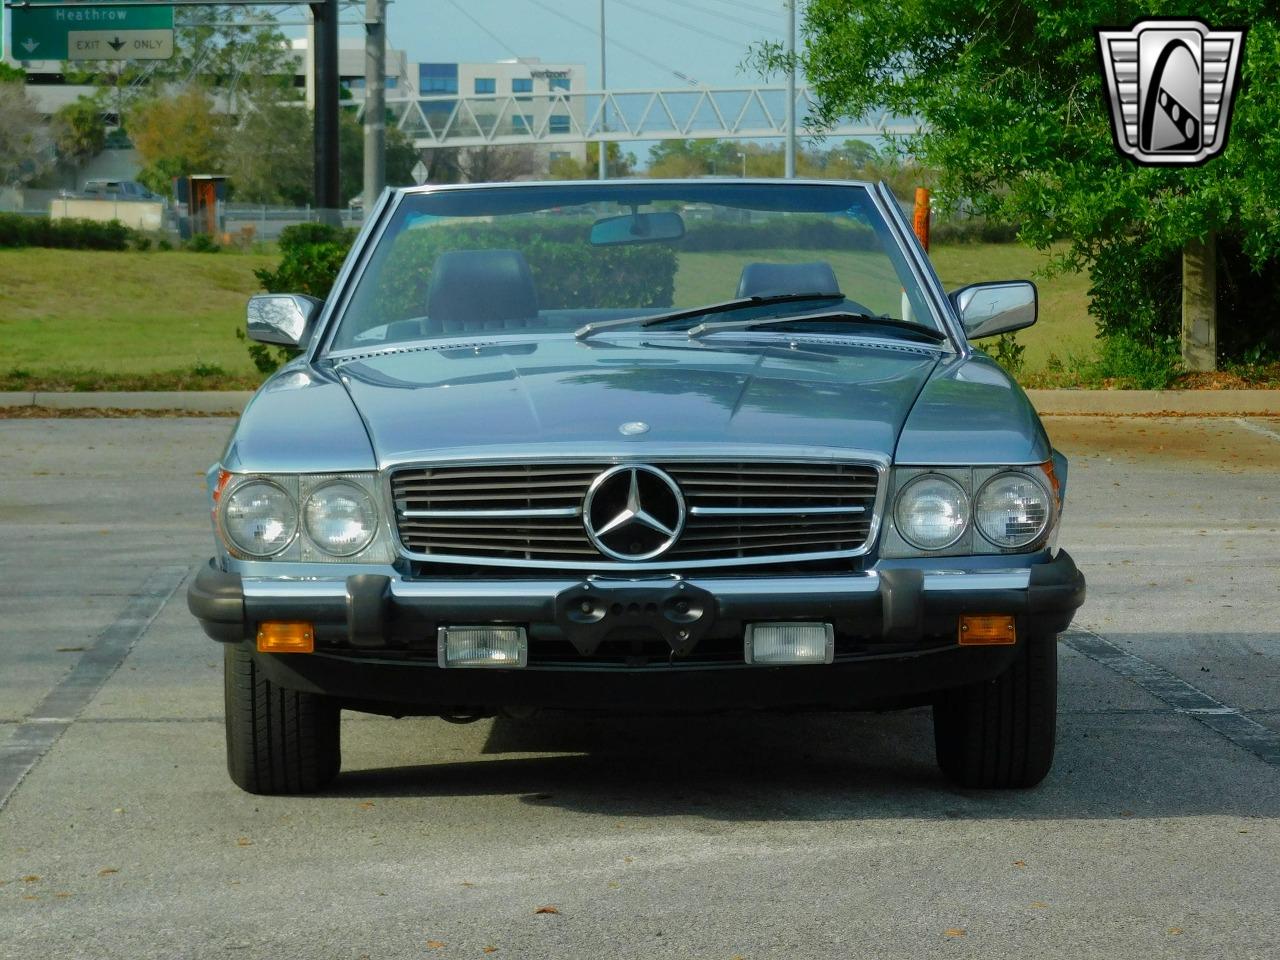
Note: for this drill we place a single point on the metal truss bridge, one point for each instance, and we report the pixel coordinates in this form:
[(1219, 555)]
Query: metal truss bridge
[(562, 116)]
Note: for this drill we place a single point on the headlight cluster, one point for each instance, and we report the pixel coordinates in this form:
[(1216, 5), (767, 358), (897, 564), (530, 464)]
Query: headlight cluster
[(260, 518), (1012, 509)]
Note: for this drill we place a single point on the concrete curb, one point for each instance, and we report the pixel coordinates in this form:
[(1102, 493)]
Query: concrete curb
[(1106, 403), (1140, 403), (193, 401)]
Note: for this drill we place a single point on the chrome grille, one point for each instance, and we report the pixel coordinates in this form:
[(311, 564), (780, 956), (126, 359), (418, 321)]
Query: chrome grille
[(739, 511)]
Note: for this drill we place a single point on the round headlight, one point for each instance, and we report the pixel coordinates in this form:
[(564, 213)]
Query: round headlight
[(259, 518), (340, 518), (1012, 510), (932, 512)]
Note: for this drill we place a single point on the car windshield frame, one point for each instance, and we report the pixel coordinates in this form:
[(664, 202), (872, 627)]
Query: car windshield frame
[(899, 246)]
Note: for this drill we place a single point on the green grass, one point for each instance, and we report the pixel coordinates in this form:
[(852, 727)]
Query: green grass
[(1065, 327), (126, 312), (78, 319)]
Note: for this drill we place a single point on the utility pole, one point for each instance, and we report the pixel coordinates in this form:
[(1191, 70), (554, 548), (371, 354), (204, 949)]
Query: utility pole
[(790, 171), (324, 18), (1200, 303), (375, 101), (602, 172)]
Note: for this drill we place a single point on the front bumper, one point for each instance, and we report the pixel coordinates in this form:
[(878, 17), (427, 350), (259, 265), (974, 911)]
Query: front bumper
[(592, 642)]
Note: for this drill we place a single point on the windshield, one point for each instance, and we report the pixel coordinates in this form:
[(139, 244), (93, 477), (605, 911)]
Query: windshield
[(554, 258)]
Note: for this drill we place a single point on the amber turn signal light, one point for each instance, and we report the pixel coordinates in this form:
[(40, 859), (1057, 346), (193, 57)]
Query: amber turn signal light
[(986, 631), (286, 636)]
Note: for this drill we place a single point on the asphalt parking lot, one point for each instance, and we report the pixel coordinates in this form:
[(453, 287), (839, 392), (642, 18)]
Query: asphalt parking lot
[(1156, 835)]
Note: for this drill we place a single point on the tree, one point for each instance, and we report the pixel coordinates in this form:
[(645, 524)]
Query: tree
[(78, 130), (490, 164), (177, 134), (1017, 125), (694, 158), (269, 155), (442, 164), (24, 137)]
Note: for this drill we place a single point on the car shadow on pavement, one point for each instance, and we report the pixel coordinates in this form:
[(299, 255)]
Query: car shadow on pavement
[(821, 767)]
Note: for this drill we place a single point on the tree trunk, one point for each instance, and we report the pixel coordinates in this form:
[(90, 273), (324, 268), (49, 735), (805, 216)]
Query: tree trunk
[(1200, 304)]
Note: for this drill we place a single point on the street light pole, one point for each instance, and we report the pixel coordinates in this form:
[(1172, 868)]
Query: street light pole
[(324, 17), (790, 171), (602, 171), (375, 101)]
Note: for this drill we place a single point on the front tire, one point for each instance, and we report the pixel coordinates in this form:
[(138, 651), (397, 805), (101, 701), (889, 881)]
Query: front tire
[(1001, 733), (279, 741)]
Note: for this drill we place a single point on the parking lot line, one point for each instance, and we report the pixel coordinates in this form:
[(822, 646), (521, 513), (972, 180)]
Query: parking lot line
[(1256, 428), (61, 705), (1240, 729)]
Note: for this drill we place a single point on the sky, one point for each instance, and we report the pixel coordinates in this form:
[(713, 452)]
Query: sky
[(703, 39)]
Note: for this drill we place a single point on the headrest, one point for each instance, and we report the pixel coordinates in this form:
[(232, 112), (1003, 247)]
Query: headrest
[(772, 279), (475, 290)]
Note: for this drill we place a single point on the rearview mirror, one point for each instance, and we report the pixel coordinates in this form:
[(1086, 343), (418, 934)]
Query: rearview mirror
[(284, 318), (637, 228), (988, 309)]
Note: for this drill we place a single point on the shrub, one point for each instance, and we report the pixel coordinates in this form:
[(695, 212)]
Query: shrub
[(202, 243), (1128, 362), (1008, 352), (310, 234), (795, 232), (311, 254), (973, 230), (20, 230)]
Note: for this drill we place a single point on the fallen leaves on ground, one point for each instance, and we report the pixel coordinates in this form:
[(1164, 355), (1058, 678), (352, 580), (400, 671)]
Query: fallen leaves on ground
[(1175, 930), (490, 949), (1019, 863), (547, 910), (244, 842), (31, 878), (101, 413), (955, 932), (365, 804), (107, 871), (436, 944)]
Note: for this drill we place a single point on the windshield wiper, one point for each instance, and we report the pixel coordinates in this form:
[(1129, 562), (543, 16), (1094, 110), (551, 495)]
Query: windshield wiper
[(835, 317), (726, 306)]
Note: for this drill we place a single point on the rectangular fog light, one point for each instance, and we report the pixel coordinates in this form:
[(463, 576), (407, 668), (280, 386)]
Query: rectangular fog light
[(286, 636), (782, 643), (987, 631), (482, 647)]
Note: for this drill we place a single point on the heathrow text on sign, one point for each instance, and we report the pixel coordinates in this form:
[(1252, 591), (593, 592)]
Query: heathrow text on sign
[(100, 32)]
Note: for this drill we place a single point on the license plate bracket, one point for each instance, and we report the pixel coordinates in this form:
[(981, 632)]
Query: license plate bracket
[(677, 610)]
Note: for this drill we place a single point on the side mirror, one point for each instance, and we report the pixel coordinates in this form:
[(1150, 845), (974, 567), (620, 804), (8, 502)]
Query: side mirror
[(284, 318), (988, 309)]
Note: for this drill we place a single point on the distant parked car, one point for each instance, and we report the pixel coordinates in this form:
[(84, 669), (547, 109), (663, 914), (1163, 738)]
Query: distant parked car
[(117, 190)]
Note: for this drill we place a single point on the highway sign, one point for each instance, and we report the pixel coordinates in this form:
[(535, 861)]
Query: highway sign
[(101, 32)]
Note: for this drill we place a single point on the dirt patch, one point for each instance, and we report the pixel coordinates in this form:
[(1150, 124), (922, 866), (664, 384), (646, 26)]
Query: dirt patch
[(1213, 440)]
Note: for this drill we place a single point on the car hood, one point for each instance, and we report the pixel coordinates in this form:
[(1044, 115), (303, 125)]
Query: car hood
[(513, 398)]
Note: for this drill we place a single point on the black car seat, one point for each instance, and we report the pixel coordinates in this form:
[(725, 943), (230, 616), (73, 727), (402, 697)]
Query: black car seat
[(772, 279), (473, 291)]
